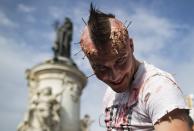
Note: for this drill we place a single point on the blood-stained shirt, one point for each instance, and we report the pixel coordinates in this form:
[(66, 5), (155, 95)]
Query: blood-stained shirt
[(152, 94)]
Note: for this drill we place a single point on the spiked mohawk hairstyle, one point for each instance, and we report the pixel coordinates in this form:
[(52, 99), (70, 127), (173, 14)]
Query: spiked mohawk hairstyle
[(99, 26)]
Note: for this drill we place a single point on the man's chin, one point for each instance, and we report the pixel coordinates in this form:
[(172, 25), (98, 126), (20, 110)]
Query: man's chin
[(119, 88)]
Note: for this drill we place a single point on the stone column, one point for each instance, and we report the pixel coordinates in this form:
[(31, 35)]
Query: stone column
[(66, 82)]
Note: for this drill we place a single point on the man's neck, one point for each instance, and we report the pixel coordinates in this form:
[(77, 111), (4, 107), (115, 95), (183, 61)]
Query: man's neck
[(136, 66)]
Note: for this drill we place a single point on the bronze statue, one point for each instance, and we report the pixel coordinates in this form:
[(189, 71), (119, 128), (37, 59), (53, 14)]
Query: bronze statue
[(62, 45)]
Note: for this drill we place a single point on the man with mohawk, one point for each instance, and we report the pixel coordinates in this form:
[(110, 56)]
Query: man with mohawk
[(141, 97)]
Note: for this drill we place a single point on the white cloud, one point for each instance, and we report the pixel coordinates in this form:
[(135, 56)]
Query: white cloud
[(184, 76), (5, 21), (151, 32), (51, 36), (15, 57), (30, 19), (25, 8), (28, 10), (184, 65), (56, 12), (187, 43)]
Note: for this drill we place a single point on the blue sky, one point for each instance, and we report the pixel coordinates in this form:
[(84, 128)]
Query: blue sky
[(162, 31)]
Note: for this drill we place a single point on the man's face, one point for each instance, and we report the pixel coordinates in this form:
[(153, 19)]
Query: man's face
[(113, 62), (115, 69)]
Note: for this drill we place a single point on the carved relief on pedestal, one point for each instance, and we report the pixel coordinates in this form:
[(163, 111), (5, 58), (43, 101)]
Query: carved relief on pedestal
[(43, 113), (74, 89), (75, 92)]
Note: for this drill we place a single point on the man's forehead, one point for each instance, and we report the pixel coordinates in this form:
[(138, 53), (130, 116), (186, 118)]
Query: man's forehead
[(106, 59)]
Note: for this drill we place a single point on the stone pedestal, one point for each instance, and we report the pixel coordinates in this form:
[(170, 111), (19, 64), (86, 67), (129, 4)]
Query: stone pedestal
[(66, 82)]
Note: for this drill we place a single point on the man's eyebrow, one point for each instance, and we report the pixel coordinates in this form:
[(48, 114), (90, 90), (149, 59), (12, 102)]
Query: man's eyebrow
[(97, 65)]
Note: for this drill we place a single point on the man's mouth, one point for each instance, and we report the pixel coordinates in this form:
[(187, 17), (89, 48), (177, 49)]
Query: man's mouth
[(119, 81)]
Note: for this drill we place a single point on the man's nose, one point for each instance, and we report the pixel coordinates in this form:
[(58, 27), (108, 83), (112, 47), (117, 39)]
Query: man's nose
[(115, 75)]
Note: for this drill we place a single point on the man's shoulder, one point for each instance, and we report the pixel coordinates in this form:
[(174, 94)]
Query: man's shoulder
[(156, 75)]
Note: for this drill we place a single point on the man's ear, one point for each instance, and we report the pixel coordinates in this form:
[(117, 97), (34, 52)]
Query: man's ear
[(131, 44)]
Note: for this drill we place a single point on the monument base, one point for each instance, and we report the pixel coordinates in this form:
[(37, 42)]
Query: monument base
[(55, 88)]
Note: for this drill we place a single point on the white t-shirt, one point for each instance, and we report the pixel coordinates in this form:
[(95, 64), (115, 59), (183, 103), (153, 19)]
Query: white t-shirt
[(152, 94)]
